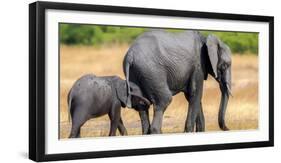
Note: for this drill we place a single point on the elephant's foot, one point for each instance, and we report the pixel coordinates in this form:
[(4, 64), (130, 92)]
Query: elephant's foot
[(146, 131), (154, 130), (224, 128), (189, 129)]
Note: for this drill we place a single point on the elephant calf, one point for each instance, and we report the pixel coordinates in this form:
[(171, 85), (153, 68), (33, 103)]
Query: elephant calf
[(93, 96)]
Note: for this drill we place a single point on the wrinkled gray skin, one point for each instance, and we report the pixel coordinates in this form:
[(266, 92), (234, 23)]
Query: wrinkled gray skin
[(163, 64), (93, 96)]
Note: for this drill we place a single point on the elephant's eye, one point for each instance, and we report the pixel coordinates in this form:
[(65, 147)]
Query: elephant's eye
[(224, 66)]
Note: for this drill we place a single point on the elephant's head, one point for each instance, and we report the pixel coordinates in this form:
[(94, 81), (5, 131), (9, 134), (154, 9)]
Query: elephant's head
[(220, 59), (136, 97)]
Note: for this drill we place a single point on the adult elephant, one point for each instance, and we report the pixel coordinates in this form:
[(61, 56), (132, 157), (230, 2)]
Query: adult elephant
[(163, 64)]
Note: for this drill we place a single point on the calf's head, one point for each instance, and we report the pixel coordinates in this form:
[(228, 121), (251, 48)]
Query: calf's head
[(137, 97)]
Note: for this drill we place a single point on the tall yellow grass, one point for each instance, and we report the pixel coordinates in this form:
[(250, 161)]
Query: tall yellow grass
[(242, 111)]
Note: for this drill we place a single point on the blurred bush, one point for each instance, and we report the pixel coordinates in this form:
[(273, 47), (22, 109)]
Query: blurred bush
[(75, 34), (239, 42)]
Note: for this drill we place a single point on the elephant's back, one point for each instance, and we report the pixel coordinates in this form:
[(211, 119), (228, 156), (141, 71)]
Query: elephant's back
[(92, 90), (173, 42), (161, 46)]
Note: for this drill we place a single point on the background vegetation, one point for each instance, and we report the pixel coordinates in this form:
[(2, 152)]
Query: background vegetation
[(75, 34)]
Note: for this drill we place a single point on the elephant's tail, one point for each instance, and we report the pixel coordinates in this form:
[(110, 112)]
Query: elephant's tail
[(127, 63)]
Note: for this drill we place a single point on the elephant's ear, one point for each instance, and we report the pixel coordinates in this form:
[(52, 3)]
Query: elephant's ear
[(121, 91), (212, 43)]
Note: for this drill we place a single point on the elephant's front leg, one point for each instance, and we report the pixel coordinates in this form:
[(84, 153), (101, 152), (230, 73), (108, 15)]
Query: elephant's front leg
[(145, 123), (114, 117), (194, 94), (200, 120), (193, 109)]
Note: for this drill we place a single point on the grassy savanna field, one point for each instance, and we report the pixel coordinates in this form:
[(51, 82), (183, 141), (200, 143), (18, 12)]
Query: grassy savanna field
[(242, 110)]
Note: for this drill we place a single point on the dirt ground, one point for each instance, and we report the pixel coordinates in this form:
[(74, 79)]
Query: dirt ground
[(242, 110)]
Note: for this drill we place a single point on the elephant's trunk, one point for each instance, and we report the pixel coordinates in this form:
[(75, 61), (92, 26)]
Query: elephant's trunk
[(225, 87), (222, 110)]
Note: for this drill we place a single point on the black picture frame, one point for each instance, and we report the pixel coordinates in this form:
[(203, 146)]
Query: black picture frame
[(37, 79)]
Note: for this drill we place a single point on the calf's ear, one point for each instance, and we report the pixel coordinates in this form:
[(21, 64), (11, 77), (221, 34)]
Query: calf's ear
[(121, 91), (138, 95), (140, 99)]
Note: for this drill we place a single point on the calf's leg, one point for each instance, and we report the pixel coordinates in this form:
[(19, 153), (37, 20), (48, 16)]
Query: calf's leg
[(78, 119), (122, 128), (114, 117)]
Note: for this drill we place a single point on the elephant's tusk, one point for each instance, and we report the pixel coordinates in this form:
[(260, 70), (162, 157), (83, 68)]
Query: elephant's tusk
[(228, 90)]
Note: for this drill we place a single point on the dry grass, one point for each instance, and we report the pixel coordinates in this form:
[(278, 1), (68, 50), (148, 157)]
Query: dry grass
[(242, 111)]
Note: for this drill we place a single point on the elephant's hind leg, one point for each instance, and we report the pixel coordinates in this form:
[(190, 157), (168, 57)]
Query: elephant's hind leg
[(159, 109), (145, 123), (75, 132)]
